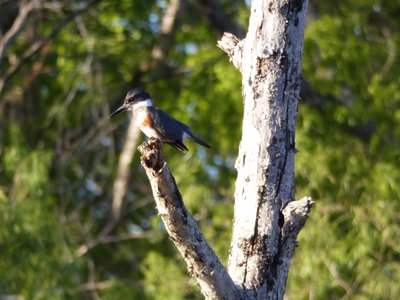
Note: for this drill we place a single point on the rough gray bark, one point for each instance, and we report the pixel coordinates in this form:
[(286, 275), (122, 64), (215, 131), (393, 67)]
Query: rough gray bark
[(203, 264), (267, 219), (269, 59)]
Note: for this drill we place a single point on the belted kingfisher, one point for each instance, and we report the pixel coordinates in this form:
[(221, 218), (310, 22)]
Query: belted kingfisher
[(156, 123)]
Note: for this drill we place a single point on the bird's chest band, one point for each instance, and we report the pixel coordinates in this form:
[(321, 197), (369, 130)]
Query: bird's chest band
[(145, 123), (143, 118)]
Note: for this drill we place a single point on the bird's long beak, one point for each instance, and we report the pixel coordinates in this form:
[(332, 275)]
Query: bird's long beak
[(120, 109)]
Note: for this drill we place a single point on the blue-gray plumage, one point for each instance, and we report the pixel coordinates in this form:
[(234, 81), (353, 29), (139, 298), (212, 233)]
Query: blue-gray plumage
[(156, 123)]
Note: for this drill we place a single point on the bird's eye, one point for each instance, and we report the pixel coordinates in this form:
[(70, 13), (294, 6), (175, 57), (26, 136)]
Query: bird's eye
[(130, 99)]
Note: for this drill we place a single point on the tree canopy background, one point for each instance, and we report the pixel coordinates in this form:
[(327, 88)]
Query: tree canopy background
[(59, 153)]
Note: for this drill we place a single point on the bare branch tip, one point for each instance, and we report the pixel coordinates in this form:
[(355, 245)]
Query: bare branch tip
[(296, 212), (307, 202), (151, 155), (232, 46), (228, 39)]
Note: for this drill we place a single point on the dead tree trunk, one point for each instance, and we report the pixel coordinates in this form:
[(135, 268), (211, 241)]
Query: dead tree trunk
[(267, 219), (269, 59)]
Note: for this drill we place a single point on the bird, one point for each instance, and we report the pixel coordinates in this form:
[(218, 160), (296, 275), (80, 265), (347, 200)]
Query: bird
[(156, 123)]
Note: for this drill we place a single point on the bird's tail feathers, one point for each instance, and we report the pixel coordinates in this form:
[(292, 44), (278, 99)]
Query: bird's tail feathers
[(198, 140), (179, 146)]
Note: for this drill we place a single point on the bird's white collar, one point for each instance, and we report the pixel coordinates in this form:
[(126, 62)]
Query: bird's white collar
[(146, 103)]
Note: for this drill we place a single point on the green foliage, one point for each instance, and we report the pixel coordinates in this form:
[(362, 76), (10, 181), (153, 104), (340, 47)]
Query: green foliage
[(348, 247), (34, 255), (158, 271)]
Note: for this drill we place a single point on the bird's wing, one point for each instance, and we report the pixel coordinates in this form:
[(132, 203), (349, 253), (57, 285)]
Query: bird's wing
[(171, 128)]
